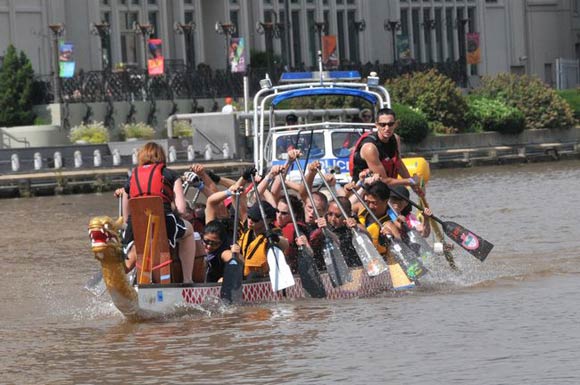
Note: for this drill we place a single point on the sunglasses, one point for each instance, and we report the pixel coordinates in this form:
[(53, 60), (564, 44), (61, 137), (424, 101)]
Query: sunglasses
[(390, 124), (282, 212), (210, 242)]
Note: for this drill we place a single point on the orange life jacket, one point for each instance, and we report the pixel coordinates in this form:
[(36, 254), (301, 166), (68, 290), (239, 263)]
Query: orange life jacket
[(148, 180)]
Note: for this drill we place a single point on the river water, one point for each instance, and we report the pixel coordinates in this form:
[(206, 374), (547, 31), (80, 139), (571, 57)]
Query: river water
[(513, 319)]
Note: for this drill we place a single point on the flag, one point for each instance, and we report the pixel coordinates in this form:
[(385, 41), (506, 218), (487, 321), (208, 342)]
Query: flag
[(65, 60), (473, 50), (238, 54), (329, 52), (156, 60), (403, 48)]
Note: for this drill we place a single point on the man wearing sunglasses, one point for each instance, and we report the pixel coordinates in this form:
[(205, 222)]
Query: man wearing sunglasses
[(380, 153)]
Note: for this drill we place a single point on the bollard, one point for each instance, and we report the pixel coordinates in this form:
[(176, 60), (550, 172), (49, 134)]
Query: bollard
[(207, 153), (78, 159), (57, 160), (97, 159), (134, 156), (116, 157), (172, 154), (226, 151), (190, 153), (37, 161), (15, 162)]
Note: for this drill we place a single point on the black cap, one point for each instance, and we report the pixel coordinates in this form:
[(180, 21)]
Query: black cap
[(254, 212), (398, 191), (291, 118)]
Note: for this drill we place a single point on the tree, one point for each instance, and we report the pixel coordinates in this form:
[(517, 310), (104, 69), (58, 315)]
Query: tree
[(16, 78)]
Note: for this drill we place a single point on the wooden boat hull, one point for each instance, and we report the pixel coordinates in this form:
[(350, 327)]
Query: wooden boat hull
[(166, 299)]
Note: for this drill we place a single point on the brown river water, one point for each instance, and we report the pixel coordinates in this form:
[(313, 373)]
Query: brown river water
[(513, 319)]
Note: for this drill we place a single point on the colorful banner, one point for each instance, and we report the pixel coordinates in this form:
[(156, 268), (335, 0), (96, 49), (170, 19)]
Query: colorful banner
[(65, 60), (329, 51), (404, 49), (155, 61), (473, 49), (238, 54)]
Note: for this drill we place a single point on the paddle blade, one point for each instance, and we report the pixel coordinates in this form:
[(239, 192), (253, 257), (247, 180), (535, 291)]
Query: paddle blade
[(231, 290), (372, 261), (409, 261), (309, 274), (471, 242), (336, 266), (280, 273)]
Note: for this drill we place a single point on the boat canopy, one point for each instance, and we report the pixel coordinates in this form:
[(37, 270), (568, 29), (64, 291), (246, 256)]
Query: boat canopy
[(369, 97)]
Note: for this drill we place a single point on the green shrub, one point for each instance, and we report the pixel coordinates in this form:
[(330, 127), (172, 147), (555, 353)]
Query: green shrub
[(138, 130), (16, 84), (93, 133), (494, 115), (435, 95), (413, 127), (573, 99), (541, 105), (182, 128)]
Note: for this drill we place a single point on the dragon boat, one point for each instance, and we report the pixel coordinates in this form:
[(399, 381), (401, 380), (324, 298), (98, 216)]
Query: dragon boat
[(150, 300)]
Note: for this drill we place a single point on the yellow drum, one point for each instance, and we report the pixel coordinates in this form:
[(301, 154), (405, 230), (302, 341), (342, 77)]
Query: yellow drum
[(418, 166)]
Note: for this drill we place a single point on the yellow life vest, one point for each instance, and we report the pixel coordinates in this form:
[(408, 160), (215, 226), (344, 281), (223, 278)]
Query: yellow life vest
[(254, 253), (374, 230)]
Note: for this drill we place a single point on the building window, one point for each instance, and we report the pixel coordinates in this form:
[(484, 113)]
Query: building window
[(154, 23), (312, 36), (416, 35), (341, 35), (450, 34), (352, 38), (189, 17), (439, 34), (234, 19), (128, 37)]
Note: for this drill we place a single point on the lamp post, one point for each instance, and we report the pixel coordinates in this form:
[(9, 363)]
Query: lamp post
[(271, 30), (429, 24), (460, 23), (103, 31), (57, 31), (226, 29), (359, 26), (393, 26), (145, 30), (187, 31), (319, 27)]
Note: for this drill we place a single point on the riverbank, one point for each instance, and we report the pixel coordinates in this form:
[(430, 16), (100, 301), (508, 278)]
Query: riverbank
[(445, 151)]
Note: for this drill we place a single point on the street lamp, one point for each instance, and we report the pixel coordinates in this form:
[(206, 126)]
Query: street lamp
[(103, 31), (187, 31), (460, 24), (226, 29), (359, 26), (57, 31), (145, 30), (429, 24), (393, 26), (271, 30), (319, 27)]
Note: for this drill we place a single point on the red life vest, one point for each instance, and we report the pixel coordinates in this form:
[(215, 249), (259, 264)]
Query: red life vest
[(391, 164), (148, 180)]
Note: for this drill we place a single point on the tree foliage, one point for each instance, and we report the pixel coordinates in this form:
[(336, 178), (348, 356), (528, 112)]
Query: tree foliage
[(16, 79)]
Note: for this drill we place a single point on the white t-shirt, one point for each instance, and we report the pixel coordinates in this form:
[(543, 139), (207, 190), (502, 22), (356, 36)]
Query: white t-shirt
[(228, 109)]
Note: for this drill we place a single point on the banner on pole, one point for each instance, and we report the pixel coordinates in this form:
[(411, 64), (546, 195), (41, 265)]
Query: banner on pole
[(473, 49), (65, 60), (404, 49), (156, 60), (238, 54), (329, 51)]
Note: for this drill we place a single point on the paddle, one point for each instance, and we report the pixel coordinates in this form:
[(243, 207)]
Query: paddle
[(471, 242), (408, 260), (309, 275), (280, 273), (413, 238), (373, 262), (439, 236), (231, 290), (336, 266)]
